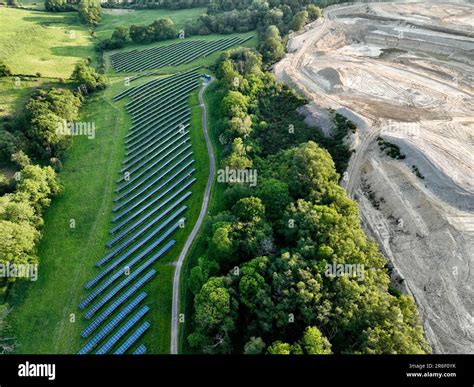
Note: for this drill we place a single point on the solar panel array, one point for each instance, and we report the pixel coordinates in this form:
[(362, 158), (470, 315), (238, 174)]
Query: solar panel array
[(155, 183), (174, 54)]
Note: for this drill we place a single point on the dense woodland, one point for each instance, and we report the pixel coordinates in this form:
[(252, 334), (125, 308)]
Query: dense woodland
[(261, 286)]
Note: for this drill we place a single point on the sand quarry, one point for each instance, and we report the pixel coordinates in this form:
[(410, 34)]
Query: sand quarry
[(404, 72)]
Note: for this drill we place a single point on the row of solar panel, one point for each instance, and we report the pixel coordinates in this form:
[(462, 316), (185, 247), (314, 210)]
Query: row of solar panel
[(147, 202)]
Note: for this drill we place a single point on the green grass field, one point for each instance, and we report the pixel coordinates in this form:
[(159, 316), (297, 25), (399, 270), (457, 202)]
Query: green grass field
[(13, 96), (39, 42), (112, 18)]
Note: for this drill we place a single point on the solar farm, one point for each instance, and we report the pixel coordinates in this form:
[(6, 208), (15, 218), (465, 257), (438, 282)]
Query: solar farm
[(171, 55), (155, 182)]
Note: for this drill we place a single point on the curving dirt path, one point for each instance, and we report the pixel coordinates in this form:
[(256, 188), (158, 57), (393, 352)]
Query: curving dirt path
[(197, 225)]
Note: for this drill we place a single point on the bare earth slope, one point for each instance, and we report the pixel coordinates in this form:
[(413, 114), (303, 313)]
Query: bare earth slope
[(404, 72)]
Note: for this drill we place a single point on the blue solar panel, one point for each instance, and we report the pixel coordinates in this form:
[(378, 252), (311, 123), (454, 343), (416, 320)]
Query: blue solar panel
[(155, 180), (151, 85), (164, 108), (154, 97), (132, 338), (138, 156), (150, 138), (99, 304), (92, 343), (152, 192), (145, 98), (154, 200), (122, 331), (182, 146), (142, 219), (121, 272), (140, 350), (134, 134), (119, 301), (153, 100), (154, 145), (139, 233), (134, 248), (148, 115), (183, 136)]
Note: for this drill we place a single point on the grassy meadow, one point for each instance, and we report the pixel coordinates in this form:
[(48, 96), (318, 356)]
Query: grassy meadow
[(50, 44)]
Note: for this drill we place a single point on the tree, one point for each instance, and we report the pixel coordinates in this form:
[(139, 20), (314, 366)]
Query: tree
[(45, 128), (37, 186), (120, 35), (314, 12), (314, 343), (214, 317), (235, 192), (17, 243), (255, 346), (46, 113), (13, 210), (249, 210), (279, 348), (55, 5), (201, 273), (89, 12), (299, 20), (228, 75), (275, 197), (9, 143), (221, 244), (238, 157), (233, 104), (162, 29), (272, 47), (308, 170), (85, 75), (239, 126), (21, 158), (400, 332), (4, 69)]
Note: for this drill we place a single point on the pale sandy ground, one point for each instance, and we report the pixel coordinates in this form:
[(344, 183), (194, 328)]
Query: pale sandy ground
[(418, 95)]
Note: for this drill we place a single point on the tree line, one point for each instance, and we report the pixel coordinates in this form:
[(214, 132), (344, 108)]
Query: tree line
[(34, 129), (262, 285), (28, 143), (88, 10), (160, 29)]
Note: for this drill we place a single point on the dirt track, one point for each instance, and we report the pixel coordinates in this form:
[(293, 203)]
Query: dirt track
[(404, 71)]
